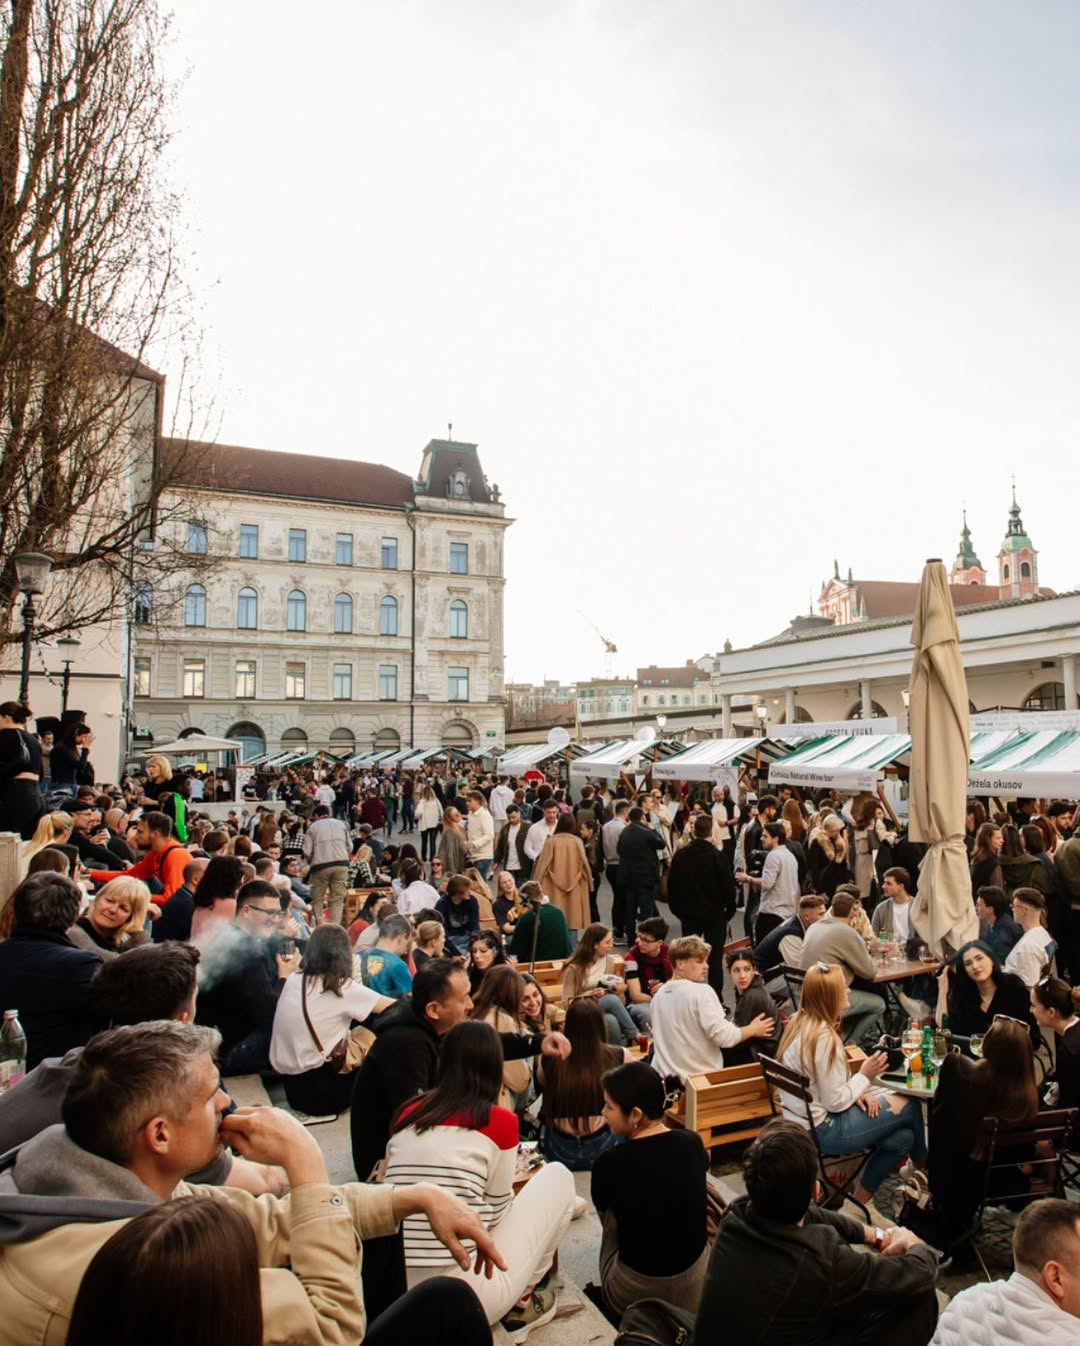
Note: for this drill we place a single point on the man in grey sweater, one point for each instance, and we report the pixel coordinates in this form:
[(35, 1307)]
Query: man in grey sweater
[(326, 849), (833, 940)]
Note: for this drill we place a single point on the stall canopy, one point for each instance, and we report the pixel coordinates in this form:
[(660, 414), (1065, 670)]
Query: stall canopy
[(529, 755), (620, 755), (198, 745), (719, 759), (841, 763), (1038, 763)]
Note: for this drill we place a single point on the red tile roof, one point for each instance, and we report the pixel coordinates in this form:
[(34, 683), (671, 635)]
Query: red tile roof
[(893, 598), (292, 475)]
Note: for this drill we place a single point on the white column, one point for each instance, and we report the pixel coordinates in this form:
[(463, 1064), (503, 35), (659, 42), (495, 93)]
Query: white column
[(725, 715), (1068, 668), (866, 699), (789, 706)]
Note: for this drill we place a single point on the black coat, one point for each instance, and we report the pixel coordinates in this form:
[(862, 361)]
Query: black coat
[(701, 883), (638, 848), (771, 1284), (47, 980)]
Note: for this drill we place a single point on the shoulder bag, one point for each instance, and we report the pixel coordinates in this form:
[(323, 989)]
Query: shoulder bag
[(348, 1053), (655, 1322)]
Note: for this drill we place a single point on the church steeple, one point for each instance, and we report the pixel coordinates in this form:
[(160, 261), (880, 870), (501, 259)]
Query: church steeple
[(1018, 560), (967, 568)]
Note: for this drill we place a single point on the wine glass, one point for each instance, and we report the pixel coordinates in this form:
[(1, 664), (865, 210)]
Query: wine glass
[(940, 1048), (977, 1044), (910, 1044)]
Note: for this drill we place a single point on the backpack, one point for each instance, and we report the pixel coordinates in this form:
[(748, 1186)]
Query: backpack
[(654, 1322)]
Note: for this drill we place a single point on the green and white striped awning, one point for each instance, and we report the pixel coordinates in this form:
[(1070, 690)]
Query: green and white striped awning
[(609, 760), (1043, 762), (715, 759), (840, 762)]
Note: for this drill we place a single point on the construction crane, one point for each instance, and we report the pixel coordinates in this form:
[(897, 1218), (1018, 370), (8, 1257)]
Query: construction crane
[(610, 647)]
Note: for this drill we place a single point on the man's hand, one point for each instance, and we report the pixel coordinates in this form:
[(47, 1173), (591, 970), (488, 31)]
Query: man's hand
[(899, 1241), (452, 1222), (271, 1136), (287, 963), (761, 1027), (556, 1044)]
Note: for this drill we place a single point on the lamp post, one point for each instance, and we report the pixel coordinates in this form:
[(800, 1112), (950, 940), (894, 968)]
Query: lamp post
[(661, 720), (905, 696), (69, 648), (31, 571), (762, 712)]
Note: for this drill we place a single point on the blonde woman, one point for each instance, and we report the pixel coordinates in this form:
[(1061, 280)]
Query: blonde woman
[(114, 920), (159, 780), (428, 817), (849, 1114), (53, 829), (479, 889), (827, 856)]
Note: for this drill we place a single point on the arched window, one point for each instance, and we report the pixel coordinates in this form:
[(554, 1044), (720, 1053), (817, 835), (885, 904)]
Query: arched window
[(385, 740), (293, 740), (296, 611), (1005, 571), (1047, 696), (1025, 570), (343, 614), (342, 742), (195, 606), (459, 619), (247, 609), (855, 713), (388, 616), (251, 736), (456, 734), (803, 716)]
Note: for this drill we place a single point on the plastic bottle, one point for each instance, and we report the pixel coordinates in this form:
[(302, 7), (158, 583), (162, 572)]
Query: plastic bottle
[(12, 1051)]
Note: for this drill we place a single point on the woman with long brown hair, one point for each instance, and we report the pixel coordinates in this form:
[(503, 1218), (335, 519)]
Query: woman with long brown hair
[(985, 858), (1001, 1085), (588, 974), (498, 1003), (451, 848), (574, 1130), (849, 1114)]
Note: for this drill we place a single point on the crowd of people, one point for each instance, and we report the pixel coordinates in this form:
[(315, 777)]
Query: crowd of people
[(154, 951)]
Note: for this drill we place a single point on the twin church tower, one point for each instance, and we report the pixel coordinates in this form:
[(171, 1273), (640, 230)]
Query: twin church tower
[(1018, 568)]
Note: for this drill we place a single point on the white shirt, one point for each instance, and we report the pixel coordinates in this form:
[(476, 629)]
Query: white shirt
[(535, 838), (325, 795), (195, 789), (500, 797), (720, 817), (780, 883), (689, 1028), (513, 861), (832, 1086), (901, 921), (480, 829), (1016, 1312), (1029, 955), (609, 835), (292, 1048), (416, 897)]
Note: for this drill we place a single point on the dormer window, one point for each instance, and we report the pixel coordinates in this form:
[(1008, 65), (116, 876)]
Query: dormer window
[(457, 486)]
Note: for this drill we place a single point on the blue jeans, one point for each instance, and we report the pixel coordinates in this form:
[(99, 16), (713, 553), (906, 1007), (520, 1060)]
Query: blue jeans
[(578, 1153), (640, 903), (248, 1056), (893, 1136), (483, 867), (611, 1004)]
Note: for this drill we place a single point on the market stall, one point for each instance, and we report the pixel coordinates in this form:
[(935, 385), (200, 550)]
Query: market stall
[(1043, 763)]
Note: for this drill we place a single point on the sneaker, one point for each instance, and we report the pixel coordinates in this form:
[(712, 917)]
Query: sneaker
[(918, 1010), (539, 1309)]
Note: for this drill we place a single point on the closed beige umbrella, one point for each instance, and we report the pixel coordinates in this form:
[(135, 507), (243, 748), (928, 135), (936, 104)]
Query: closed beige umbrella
[(943, 912)]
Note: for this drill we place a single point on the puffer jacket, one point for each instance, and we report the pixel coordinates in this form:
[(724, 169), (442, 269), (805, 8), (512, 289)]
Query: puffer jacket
[(327, 843), (1016, 1312)]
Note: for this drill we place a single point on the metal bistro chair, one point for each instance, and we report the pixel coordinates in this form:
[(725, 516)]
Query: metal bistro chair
[(782, 1079), (1050, 1130), (793, 979)]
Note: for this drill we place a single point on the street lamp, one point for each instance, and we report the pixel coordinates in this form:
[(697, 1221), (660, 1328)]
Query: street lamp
[(762, 712), (31, 571), (69, 648), (905, 696), (661, 720)]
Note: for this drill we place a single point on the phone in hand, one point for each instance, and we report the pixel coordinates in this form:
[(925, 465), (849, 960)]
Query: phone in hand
[(288, 948)]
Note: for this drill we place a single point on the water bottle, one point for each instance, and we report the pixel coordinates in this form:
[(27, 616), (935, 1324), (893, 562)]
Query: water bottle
[(12, 1051)]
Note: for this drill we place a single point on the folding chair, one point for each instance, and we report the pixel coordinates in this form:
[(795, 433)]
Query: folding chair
[(793, 978), (781, 1079), (1049, 1131)]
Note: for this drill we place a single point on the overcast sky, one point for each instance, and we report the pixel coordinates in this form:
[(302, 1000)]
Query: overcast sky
[(722, 290)]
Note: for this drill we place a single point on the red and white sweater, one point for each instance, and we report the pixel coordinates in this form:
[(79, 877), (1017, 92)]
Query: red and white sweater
[(476, 1164)]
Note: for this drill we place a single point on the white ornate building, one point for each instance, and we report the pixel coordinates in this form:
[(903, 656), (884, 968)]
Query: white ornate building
[(348, 607)]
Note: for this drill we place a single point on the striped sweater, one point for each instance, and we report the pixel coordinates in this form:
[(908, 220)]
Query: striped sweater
[(476, 1164)]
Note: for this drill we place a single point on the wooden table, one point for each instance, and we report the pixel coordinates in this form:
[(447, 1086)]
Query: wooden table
[(910, 967)]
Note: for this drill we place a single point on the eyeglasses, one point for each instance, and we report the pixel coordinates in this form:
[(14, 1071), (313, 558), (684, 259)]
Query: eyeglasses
[(272, 912)]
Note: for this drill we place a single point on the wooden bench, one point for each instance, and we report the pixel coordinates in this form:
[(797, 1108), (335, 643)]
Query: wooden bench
[(729, 1105), (549, 975), (356, 897)]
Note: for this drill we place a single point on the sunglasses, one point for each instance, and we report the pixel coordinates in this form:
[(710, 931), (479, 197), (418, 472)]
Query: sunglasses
[(1008, 1018)]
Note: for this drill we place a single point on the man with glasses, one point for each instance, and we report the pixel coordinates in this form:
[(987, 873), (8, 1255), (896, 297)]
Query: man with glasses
[(241, 976)]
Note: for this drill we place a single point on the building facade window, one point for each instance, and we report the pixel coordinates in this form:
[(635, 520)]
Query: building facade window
[(388, 682), (249, 541), (195, 606), (296, 611), (388, 617), (1025, 570), (143, 611), (297, 544), (459, 619), (196, 539), (459, 558), (247, 609), (388, 553), (457, 684), (343, 614), (1048, 696), (245, 679), (343, 549), (295, 680), (342, 682), (194, 684), (142, 677)]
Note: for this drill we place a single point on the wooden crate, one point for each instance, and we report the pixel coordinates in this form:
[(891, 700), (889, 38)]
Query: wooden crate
[(724, 1106)]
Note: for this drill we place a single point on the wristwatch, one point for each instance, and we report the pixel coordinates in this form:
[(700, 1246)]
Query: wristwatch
[(879, 1239)]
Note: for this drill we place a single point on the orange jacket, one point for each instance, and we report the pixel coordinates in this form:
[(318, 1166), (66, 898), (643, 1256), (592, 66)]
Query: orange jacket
[(168, 865)]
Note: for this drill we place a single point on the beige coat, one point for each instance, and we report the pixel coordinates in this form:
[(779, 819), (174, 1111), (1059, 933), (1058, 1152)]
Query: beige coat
[(310, 1285), (563, 873)]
